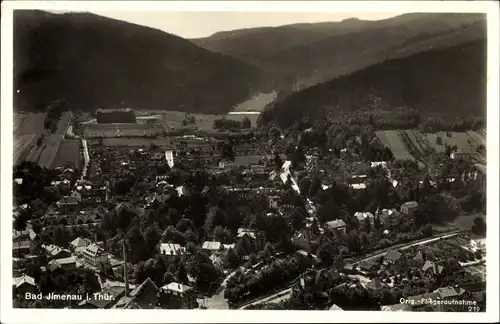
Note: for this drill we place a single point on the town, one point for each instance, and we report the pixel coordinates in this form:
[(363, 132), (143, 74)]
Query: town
[(240, 216)]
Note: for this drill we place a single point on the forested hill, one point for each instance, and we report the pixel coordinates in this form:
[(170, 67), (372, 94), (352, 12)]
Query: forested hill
[(95, 62), (306, 54), (449, 81)]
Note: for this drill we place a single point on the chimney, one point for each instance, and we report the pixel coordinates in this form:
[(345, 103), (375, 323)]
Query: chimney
[(125, 270)]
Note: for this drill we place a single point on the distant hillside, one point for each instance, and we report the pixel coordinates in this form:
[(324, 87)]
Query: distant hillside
[(307, 54), (449, 81), (96, 62)]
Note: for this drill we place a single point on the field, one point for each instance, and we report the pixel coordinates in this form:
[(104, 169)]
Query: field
[(120, 130), (466, 142), (69, 152), (462, 222), (142, 142), (257, 103), (28, 127), (21, 144), (392, 140), (174, 119)]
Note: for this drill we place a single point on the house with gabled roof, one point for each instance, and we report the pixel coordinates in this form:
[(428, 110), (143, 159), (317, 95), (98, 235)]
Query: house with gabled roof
[(366, 266), (170, 251), (94, 255), (177, 295), (145, 296), (79, 244), (242, 232), (69, 203), (337, 225), (430, 268), (409, 207), (451, 292), (24, 284), (392, 257), (56, 252), (211, 246), (396, 308)]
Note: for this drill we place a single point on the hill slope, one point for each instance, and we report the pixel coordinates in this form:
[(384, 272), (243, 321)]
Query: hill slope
[(96, 62), (449, 81), (306, 54)]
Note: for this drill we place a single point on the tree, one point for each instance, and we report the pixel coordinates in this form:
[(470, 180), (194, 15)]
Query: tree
[(326, 253), (222, 234), (367, 226), (427, 230), (298, 219), (168, 277), (376, 222), (246, 123), (479, 226), (353, 243)]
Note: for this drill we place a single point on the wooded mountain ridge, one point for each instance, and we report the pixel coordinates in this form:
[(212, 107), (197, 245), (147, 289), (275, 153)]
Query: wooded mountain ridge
[(95, 62)]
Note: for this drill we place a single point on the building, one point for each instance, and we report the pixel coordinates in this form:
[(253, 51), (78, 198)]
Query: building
[(64, 263), (109, 116), (211, 246), (94, 255), (409, 207), (56, 252), (144, 296), (460, 156), (432, 269), (375, 284), (478, 245), (335, 308), (69, 203), (366, 266), (176, 295), (362, 217), (242, 232), (392, 257), (182, 191), (397, 308), (388, 217), (21, 242), (78, 245), (225, 163), (170, 251), (24, 284), (337, 225), (273, 201)]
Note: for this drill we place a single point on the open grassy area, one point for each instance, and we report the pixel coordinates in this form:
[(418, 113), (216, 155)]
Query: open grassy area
[(466, 142), (138, 142), (392, 140), (69, 152)]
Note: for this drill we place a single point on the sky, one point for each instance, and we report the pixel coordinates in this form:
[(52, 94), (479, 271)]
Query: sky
[(191, 24)]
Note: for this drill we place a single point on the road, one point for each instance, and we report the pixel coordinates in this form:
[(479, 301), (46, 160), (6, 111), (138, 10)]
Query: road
[(408, 245), (371, 256), (274, 298)]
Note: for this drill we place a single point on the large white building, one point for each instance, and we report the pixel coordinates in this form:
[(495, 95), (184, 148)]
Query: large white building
[(95, 255)]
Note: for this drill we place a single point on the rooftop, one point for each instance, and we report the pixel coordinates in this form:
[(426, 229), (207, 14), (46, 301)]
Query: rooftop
[(177, 287), (211, 245), (338, 223)]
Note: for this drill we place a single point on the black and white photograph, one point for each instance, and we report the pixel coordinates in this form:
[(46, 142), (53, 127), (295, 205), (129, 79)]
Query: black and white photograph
[(250, 157)]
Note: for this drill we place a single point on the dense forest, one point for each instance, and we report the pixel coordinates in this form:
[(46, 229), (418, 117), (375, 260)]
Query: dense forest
[(450, 81), (307, 54), (95, 62)]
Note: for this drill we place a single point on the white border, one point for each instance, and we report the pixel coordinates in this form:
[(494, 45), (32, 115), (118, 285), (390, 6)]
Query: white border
[(9, 315)]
